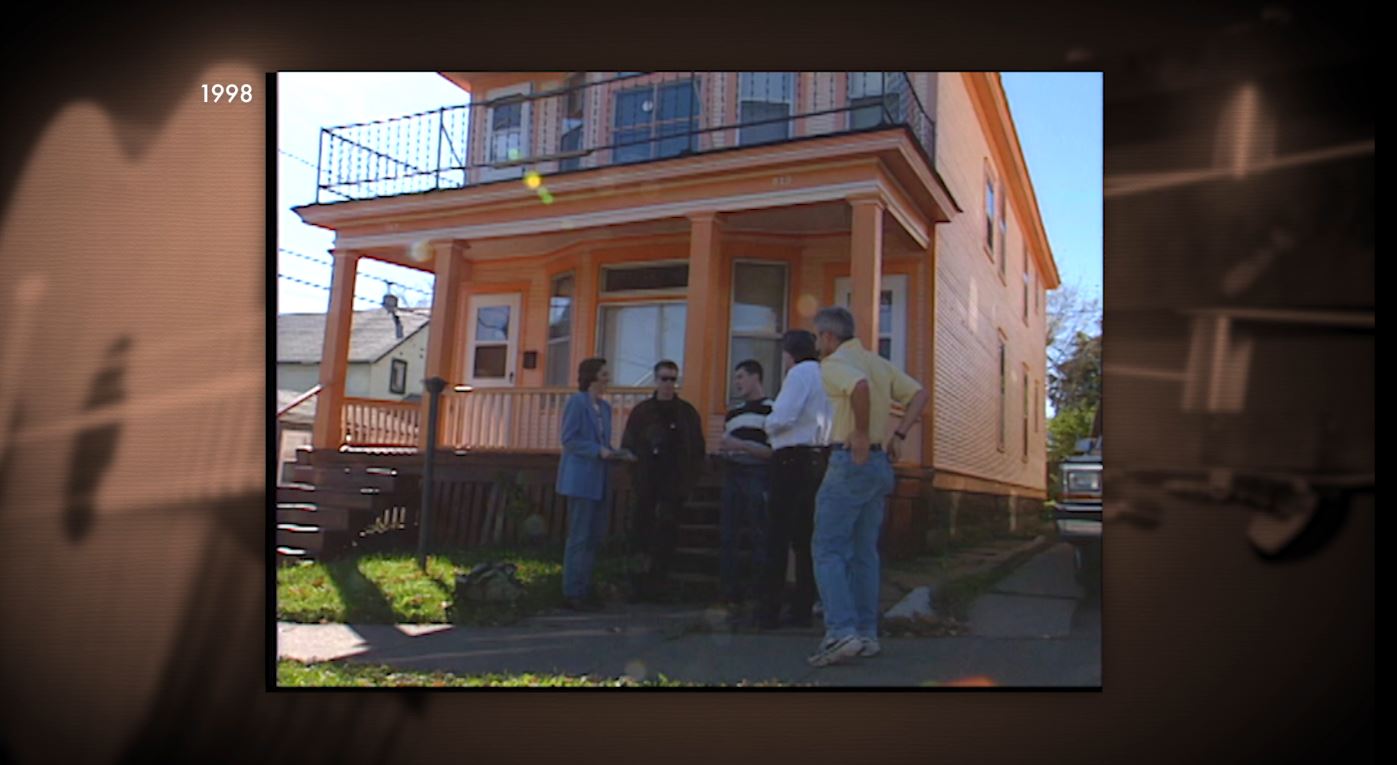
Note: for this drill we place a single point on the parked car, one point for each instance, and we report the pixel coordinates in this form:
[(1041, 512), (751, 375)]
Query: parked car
[(1078, 511)]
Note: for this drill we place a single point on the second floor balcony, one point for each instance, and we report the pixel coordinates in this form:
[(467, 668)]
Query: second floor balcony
[(590, 120)]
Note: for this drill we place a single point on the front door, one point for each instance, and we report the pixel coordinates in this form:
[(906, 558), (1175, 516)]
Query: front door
[(492, 340)]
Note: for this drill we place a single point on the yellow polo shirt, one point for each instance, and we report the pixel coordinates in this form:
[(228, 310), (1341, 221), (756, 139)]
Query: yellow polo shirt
[(841, 371)]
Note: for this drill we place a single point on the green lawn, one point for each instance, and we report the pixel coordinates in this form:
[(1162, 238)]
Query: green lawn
[(294, 674), (390, 589)]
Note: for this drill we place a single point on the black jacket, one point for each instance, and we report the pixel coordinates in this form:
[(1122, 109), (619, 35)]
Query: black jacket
[(654, 443)]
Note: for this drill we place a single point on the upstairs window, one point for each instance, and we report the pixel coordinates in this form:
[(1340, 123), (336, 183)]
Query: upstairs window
[(875, 98), (765, 101), (656, 121)]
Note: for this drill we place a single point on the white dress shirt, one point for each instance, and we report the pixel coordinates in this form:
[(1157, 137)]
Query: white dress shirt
[(801, 415)]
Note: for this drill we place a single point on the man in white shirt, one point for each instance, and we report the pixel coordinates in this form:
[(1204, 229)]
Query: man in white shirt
[(799, 431)]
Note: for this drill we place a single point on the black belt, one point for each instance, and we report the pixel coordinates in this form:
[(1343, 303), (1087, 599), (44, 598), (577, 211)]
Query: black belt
[(846, 447), (800, 448)]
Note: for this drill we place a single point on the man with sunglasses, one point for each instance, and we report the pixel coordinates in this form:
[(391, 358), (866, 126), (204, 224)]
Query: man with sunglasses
[(665, 434)]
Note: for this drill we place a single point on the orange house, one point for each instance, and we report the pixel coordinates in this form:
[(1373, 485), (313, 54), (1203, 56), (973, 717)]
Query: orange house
[(696, 216)]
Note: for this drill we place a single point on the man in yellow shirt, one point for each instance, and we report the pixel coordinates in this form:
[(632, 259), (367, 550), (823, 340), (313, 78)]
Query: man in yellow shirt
[(861, 386)]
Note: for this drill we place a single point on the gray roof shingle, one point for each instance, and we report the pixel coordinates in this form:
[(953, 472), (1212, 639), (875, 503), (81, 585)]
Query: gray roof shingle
[(299, 336)]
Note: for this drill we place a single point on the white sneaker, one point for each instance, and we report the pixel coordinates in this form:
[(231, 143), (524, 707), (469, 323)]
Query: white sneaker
[(835, 650), (869, 647)]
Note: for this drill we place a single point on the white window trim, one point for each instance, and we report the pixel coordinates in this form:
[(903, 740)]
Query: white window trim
[(897, 284), (489, 173)]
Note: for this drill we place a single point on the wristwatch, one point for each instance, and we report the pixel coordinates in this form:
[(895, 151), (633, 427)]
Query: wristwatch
[(900, 435)]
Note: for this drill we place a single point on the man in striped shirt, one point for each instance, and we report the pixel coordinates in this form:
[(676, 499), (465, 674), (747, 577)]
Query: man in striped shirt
[(746, 481)]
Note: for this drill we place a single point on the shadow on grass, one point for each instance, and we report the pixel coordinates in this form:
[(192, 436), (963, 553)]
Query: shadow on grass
[(363, 600), (388, 588)]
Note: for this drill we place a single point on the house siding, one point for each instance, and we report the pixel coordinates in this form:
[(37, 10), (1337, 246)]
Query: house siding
[(972, 307)]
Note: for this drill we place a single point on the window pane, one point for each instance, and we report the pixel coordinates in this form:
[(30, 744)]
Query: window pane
[(758, 111), (571, 141), (885, 313), (765, 86), (681, 142), (492, 323), (490, 360), (398, 383), (629, 342), (672, 317), (508, 116), (885, 348), (867, 113), (559, 364), (630, 108), (560, 308), (648, 278), (634, 152), (864, 84), (759, 298), (506, 146), (678, 101)]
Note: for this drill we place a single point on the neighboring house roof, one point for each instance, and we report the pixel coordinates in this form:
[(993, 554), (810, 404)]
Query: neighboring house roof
[(304, 414), (300, 336)]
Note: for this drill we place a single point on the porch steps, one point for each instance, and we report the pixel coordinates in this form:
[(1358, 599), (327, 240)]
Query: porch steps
[(694, 566), (699, 541), (329, 505)]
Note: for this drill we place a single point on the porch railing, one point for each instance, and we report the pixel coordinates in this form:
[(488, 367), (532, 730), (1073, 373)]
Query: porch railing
[(376, 422), (521, 419), (634, 117)]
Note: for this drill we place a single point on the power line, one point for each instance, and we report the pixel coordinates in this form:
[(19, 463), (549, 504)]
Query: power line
[(360, 273), (305, 283), (298, 159)]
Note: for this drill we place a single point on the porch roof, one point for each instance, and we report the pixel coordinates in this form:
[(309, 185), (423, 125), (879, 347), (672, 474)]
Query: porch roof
[(887, 163)]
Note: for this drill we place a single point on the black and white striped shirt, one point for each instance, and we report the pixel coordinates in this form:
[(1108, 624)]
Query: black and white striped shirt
[(748, 423)]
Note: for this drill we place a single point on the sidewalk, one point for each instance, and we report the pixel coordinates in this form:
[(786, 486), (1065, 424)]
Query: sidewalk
[(697, 645)]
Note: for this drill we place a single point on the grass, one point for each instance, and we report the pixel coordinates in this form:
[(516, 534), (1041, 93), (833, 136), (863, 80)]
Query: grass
[(295, 674), (390, 589)]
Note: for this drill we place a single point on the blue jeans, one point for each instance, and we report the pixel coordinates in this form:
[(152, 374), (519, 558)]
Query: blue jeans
[(586, 529), (745, 489), (848, 517)]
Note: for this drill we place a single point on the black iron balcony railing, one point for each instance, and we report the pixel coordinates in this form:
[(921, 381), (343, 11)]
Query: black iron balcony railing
[(634, 117)]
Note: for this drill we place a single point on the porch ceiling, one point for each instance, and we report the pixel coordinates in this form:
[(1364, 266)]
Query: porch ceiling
[(820, 219)]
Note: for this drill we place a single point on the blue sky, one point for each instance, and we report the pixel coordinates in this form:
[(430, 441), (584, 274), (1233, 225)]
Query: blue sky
[(309, 101), (1058, 117)]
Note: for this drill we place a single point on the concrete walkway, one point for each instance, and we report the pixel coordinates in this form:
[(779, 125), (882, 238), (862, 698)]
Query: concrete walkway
[(1023, 635)]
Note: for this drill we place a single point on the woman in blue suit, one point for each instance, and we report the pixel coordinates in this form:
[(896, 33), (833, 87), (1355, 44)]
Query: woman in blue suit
[(582, 478)]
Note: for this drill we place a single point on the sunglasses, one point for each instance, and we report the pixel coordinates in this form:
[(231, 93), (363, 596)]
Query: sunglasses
[(667, 379)]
